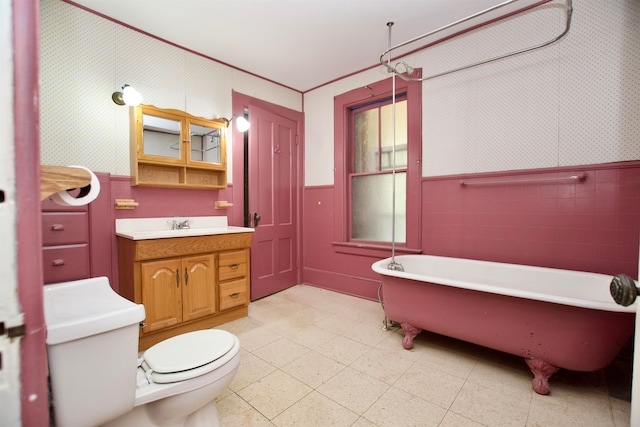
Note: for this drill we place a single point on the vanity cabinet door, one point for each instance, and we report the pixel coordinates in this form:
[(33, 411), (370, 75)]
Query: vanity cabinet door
[(199, 287), (161, 293)]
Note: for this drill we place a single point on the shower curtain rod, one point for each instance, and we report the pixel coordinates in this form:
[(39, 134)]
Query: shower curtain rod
[(392, 69)]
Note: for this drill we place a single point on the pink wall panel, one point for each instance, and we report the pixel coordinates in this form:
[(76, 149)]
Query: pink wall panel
[(317, 232), (589, 226), (167, 202), (322, 265), (101, 231)]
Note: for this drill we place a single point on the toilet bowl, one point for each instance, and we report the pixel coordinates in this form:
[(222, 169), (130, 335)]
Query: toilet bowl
[(98, 379)]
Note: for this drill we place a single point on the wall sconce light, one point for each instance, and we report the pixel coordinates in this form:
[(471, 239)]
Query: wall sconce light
[(242, 124), (128, 96)]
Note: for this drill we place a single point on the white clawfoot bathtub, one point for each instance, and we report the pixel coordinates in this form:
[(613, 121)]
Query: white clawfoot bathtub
[(553, 318)]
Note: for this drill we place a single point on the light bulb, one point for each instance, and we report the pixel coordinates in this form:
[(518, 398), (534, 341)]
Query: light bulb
[(242, 124), (130, 96)]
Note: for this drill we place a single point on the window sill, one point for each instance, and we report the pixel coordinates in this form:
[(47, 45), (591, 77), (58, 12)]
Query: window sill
[(370, 249)]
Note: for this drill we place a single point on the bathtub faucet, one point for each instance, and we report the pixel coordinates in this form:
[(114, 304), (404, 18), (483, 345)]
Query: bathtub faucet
[(395, 266)]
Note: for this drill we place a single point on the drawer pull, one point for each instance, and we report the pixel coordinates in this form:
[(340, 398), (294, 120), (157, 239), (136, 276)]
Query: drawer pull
[(234, 266), (234, 295), (57, 262), (57, 227)]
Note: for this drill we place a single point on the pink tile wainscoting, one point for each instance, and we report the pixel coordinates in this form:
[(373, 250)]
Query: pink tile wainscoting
[(590, 225)]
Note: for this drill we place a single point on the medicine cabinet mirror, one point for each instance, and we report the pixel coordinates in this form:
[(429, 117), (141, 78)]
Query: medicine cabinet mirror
[(171, 148)]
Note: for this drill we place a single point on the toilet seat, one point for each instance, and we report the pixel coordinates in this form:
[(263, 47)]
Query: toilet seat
[(187, 355)]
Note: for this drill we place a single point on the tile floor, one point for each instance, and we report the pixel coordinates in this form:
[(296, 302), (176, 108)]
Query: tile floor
[(312, 357)]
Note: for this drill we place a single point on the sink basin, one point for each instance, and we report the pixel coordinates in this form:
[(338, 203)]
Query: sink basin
[(160, 228)]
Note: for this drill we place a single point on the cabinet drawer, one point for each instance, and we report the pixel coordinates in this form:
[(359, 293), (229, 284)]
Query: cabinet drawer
[(64, 263), (64, 228), (233, 294), (232, 264), (49, 205)]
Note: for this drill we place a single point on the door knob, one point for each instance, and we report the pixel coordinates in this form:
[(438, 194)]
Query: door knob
[(256, 219)]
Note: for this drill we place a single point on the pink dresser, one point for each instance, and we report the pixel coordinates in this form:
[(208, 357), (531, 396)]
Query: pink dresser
[(65, 242)]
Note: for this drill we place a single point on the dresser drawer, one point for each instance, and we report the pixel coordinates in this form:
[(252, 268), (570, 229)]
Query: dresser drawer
[(233, 294), (64, 263), (232, 264), (61, 228), (49, 205)]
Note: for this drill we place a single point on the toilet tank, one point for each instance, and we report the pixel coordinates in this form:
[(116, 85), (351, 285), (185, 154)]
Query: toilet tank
[(92, 349)]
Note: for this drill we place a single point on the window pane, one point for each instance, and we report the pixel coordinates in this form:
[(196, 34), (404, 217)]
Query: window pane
[(366, 141), (371, 210), (386, 119)]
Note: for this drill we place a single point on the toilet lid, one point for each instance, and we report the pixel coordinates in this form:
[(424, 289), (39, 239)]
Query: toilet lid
[(188, 351)]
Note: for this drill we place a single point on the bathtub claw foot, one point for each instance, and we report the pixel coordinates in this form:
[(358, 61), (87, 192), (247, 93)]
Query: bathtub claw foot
[(542, 371), (410, 332)]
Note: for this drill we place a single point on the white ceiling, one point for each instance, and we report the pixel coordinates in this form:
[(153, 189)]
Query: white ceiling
[(300, 44)]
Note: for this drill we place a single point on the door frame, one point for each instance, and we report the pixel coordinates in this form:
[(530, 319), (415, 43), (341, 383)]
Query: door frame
[(34, 402), (237, 214)]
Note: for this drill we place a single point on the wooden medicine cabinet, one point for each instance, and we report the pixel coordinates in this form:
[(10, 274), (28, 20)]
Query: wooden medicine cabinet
[(171, 148)]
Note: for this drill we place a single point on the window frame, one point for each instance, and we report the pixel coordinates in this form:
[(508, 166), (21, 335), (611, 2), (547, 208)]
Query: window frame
[(343, 106), (352, 173)]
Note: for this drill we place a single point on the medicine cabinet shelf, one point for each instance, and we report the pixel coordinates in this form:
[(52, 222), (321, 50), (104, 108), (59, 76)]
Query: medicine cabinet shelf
[(172, 148)]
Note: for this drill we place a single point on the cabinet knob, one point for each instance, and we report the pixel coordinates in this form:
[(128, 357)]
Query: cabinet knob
[(57, 262), (234, 295), (234, 266), (57, 227)]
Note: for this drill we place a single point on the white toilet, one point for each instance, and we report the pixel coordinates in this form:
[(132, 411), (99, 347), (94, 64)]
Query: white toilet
[(97, 378)]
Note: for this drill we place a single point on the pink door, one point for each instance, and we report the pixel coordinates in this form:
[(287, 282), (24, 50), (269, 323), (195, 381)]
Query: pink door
[(273, 159)]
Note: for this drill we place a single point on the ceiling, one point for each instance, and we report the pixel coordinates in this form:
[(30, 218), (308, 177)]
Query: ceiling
[(300, 44)]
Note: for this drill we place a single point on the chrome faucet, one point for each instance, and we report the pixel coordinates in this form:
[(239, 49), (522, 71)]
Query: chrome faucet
[(175, 225)]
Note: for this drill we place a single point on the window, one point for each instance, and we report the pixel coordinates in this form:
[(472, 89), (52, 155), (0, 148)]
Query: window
[(363, 159), (372, 177)]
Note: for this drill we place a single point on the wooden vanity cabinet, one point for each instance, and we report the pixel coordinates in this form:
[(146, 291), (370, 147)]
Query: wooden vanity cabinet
[(185, 283)]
